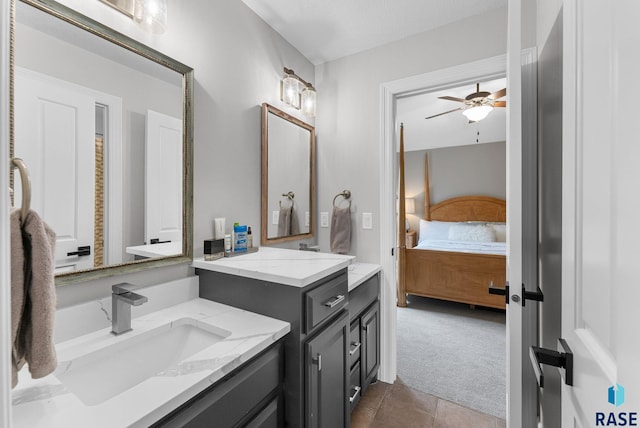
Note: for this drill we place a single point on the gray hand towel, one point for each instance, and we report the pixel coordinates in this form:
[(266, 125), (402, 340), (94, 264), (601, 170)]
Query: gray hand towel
[(341, 230), (33, 295), (284, 221), (295, 223)]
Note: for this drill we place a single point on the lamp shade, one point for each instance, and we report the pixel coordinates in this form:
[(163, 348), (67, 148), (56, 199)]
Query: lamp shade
[(290, 93), (410, 205), (309, 101), (477, 113)]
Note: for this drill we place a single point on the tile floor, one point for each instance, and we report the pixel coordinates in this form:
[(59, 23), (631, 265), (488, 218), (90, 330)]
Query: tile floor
[(398, 406)]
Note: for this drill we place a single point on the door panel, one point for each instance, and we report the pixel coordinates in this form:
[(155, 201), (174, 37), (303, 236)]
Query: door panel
[(54, 135), (600, 226), (163, 173)]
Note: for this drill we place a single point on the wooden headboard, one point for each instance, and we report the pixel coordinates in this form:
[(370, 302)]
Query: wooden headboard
[(463, 208)]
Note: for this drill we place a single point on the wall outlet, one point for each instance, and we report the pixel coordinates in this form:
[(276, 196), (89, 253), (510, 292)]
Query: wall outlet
[(306, 218), (367, 220), (275, 217), (324, 219)]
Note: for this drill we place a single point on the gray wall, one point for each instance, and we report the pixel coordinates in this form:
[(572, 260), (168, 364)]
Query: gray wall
[(348, 122), (478, 169), (238, 62)]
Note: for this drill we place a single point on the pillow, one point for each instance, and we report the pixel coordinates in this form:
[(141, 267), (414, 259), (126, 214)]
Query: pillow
[(472, 232), (500, 230), (434, 230)]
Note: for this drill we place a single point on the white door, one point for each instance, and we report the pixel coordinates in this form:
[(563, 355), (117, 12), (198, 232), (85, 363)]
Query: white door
[(163, 175), (601, 202), (54, 135)]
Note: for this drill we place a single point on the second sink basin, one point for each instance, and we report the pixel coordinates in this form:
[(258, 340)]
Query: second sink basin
[(97, 376)]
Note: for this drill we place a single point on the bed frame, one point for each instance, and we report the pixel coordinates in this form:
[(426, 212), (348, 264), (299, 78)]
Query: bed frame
[(446, 275)]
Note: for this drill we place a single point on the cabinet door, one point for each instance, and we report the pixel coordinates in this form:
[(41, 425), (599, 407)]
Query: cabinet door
[(327, 372), (370, 354)]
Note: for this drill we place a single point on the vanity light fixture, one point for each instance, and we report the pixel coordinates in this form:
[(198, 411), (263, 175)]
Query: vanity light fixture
[(298, 93), (151, 15)]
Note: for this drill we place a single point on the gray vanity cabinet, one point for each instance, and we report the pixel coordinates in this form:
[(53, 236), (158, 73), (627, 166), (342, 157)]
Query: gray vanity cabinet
[(327, 366), (316, 351), (250, 396), (364, 347)]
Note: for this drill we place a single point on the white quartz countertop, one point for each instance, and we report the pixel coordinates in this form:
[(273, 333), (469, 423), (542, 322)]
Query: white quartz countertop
[(48, 403), (290, 267), (360, 272)]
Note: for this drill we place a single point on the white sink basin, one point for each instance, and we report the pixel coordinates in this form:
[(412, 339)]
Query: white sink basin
[(100, 375)]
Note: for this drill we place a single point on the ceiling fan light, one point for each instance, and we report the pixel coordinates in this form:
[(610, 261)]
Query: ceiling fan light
[(477, 113)]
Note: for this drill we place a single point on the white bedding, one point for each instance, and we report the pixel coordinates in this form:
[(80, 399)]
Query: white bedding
[(464, 246)]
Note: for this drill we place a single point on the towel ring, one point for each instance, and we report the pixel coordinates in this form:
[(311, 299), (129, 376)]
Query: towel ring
[(26, 187), (346, 194), (289, 195)]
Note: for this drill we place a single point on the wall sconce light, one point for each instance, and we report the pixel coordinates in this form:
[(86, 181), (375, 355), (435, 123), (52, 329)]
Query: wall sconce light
[(151, 15), (298, 93), (410, 205)]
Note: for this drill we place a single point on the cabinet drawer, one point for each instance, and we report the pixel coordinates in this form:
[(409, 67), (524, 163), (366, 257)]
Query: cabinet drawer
[(267, 418), (355, 344), (326, 300), (363, 295), (355, 389), (231, 400)]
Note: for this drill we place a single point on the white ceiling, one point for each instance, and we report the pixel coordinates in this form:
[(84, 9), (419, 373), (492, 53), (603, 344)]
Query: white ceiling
[(324, 30), (451, 129)]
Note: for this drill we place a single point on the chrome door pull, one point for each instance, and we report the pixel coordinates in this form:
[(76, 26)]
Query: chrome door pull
[(356, 391), (318, 361), (334, 301), (355, 348)]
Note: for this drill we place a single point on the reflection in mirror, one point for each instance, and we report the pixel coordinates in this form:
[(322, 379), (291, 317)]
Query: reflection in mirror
[(288, 177), (104, 125)]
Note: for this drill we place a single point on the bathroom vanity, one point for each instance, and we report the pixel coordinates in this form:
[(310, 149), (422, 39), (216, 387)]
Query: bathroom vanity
[(332, 352), (184, 364)]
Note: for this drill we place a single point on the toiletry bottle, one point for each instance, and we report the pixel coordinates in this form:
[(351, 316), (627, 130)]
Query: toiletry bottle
[(249, 238), (227, 243)]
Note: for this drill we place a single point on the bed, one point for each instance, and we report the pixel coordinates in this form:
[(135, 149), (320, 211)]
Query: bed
[(455, 269)]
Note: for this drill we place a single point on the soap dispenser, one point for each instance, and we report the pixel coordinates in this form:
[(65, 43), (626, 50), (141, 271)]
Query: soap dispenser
[(249, 238)]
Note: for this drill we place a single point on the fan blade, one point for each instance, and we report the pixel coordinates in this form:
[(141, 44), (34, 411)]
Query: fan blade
[(498, 94), (446, 112), (460, 100), (499, 103)]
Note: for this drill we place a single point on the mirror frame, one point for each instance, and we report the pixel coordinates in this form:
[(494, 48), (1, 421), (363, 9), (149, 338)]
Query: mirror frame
[(264, 211), (96, 28)]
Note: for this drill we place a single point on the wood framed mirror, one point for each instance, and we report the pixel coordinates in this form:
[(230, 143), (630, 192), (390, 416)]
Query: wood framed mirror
[(288, 177), (105, 126)]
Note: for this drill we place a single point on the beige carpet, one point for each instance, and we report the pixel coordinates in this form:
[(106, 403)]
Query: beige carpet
[(454, 352)]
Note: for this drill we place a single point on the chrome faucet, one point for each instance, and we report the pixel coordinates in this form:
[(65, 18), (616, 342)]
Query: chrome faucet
[(122, 298)]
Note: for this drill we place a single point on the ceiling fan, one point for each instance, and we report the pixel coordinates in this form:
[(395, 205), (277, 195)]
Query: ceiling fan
[(476, 105)]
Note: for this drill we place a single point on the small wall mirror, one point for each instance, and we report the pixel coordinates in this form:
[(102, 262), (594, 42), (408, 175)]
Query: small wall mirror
[(104, 125), (288, 177)]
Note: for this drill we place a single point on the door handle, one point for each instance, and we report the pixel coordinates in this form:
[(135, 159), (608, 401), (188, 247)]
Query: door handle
[(531, 295), (564, 360), (356, 391), (82, 251), (355, 348), (500, 291)]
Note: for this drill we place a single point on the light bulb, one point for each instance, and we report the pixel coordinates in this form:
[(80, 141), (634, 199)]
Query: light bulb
[(290, 93), (151, 15), (309, 101)]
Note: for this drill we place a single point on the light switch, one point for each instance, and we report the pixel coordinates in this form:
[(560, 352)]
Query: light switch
[(324, 219), (367, 221), (306, 218), (275, 216)]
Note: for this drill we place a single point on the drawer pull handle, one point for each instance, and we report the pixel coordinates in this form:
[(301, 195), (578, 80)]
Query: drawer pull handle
[(318, 361), (356, 391), (333, 302), (354, 349)]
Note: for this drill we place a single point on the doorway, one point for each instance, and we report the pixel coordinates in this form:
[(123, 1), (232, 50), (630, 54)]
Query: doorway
[(518, 382)]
